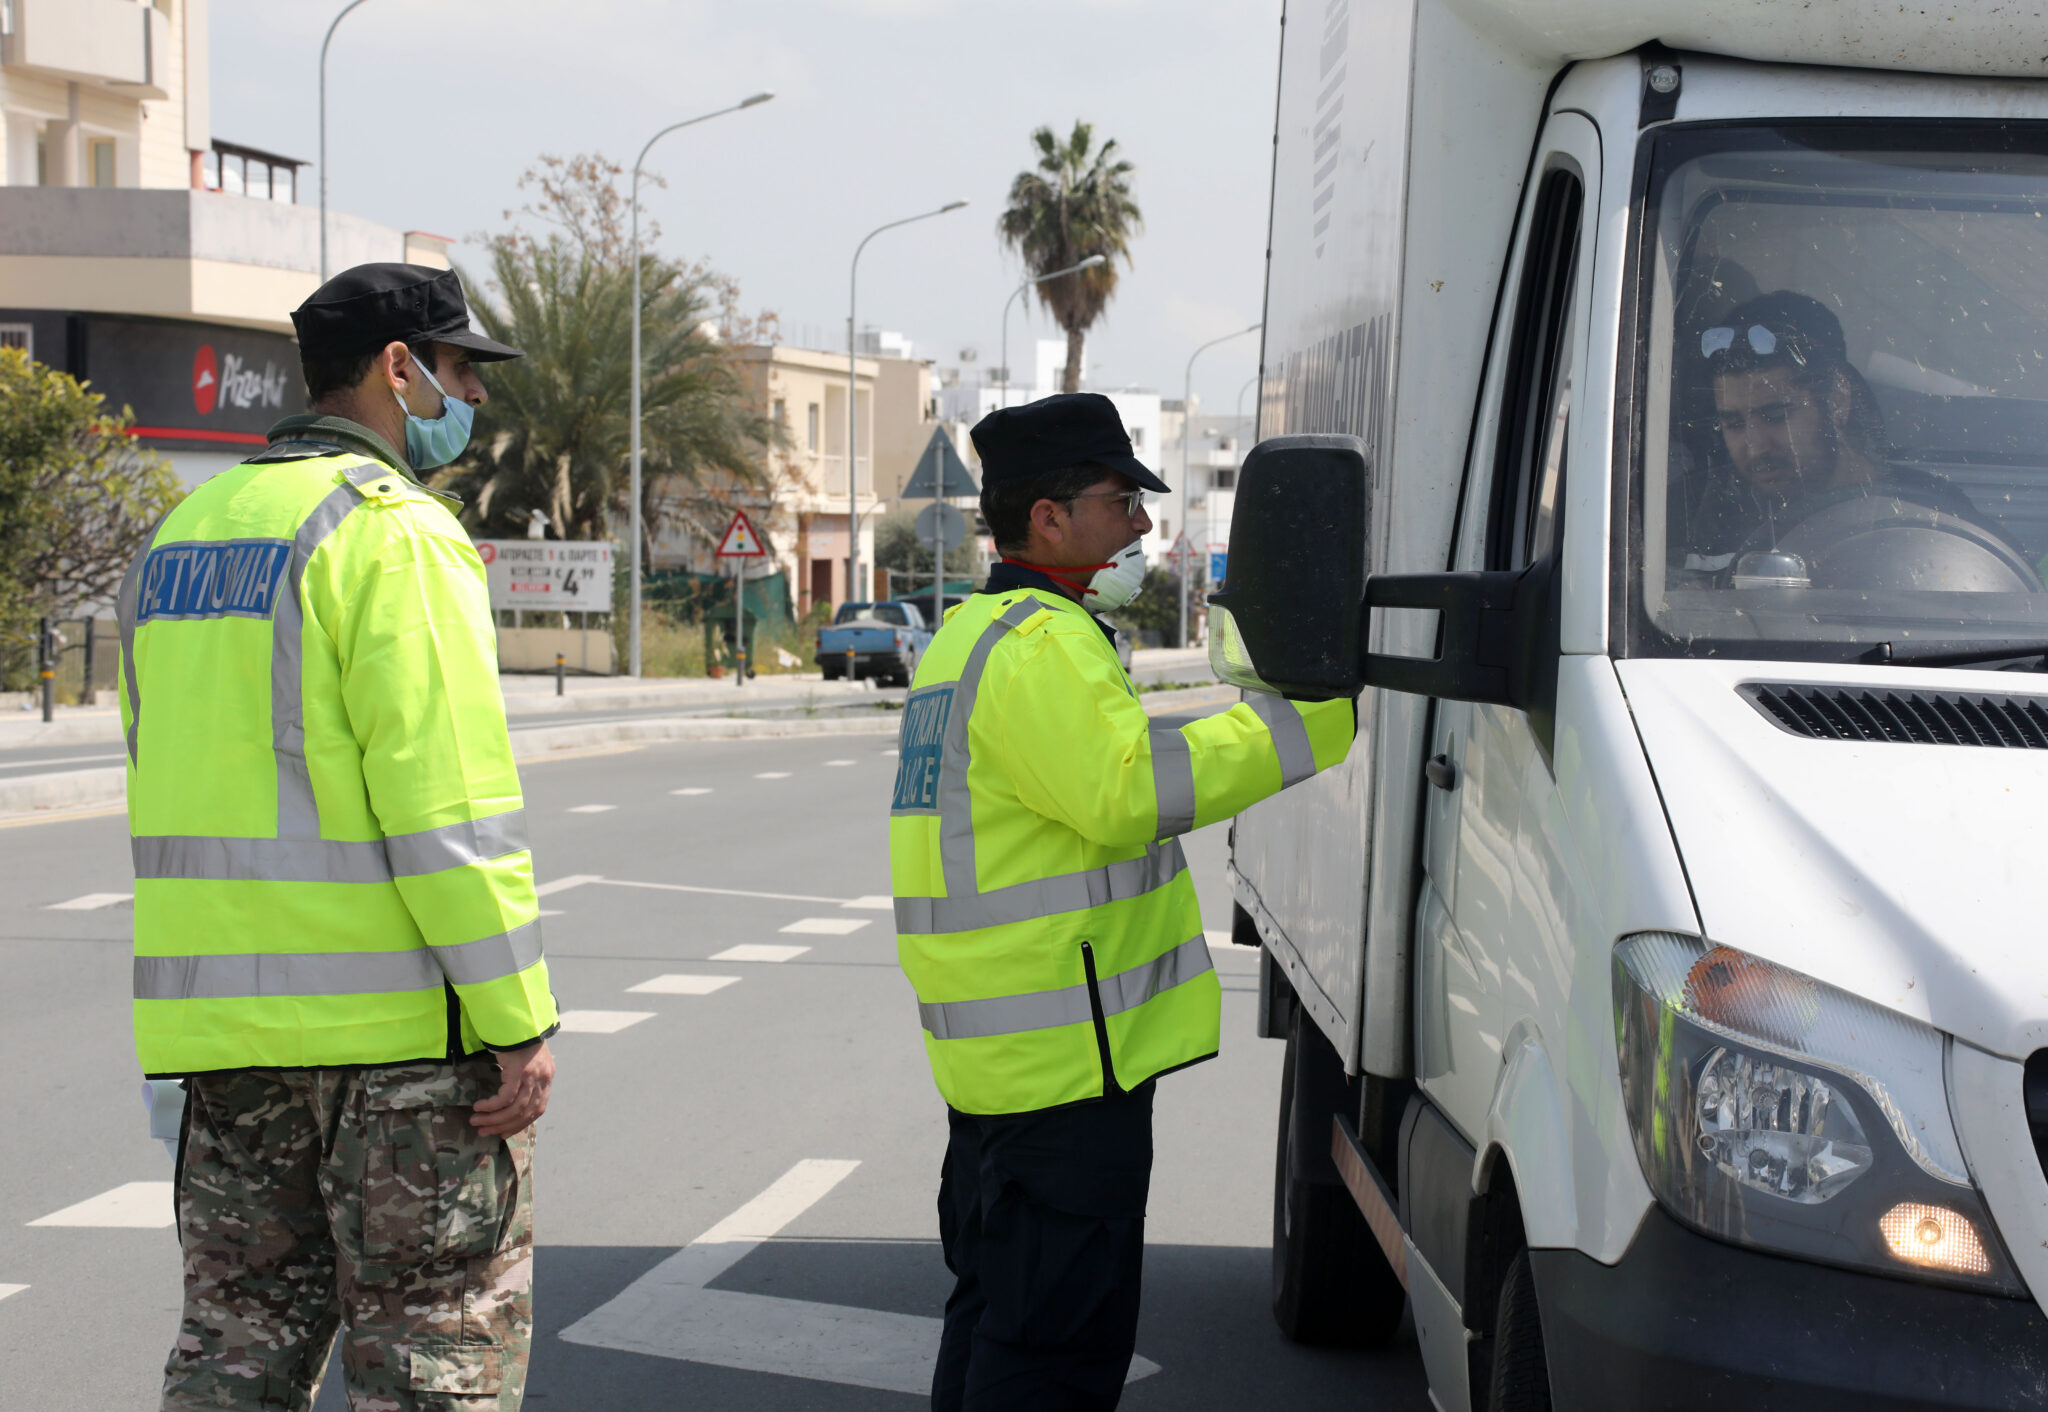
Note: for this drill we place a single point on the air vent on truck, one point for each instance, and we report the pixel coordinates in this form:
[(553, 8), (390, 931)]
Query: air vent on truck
[(2037, 1103), (1907, 717)]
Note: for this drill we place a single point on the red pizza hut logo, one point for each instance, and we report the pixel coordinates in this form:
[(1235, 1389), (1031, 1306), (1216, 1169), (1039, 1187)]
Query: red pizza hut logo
[(487, 552), (205, 379)]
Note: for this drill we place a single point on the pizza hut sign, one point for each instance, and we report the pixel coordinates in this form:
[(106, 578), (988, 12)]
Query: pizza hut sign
[(548, 575)]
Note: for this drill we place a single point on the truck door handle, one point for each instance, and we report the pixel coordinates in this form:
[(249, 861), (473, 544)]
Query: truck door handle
[(1442, 772)]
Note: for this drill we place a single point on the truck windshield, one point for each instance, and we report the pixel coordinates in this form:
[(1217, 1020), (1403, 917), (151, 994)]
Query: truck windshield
[(1844, 378)]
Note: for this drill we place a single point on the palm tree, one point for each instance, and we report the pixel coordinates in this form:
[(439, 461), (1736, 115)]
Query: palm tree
[(556, 433), (1076, 204)]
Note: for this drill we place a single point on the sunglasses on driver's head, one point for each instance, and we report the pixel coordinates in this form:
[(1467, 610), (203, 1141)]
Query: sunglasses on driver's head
[(1761, 341)]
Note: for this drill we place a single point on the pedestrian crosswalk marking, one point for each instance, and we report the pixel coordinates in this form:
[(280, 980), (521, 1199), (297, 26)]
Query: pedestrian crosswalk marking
[(772, 775), (549, 912), (564, 884), (91, 902), (888, 752), (871, 903), (139, 1205), (838, 763), (682, 985), (751, 951), (714, 891), (593, 808), (826, 926), (698, 789), (601, 1021), (6, 1290), (670, 1313)]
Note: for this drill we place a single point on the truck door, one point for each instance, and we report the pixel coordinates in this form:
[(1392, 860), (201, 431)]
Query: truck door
[(1482, 758)]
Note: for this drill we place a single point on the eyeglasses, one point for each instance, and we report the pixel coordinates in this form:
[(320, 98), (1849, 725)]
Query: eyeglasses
[(1761, 341), (1134, 500)]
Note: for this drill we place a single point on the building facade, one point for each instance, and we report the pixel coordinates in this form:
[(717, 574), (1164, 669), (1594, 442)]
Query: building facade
[(142, 254)]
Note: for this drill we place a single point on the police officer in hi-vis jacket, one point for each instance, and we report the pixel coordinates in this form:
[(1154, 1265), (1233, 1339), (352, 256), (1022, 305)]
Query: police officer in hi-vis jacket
[(1045, 914), (337, 942)]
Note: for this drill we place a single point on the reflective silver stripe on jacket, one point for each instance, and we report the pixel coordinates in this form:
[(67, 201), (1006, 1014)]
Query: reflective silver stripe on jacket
[(956, 805), (252, 974), (298, 813), (125, 610), (1173, 780), (1290, 736), (1050, 1009), (1044, 897), (327, 859)]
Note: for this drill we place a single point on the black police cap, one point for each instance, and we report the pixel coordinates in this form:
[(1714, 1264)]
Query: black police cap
[(1053, 433), (369, 307)]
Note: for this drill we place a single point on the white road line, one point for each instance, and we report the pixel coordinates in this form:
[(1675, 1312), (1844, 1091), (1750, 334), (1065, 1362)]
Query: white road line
[(6, 1290), (871, 903), (91, 902), (564, 884), (715, 891), (826, 926), (754, 951), (888, 752), (593, 808), (688, 792), (682, 985), (601, 1021), (43, 764), (837, 764), (141, 1205), (549, 912), (669, 1313), (772, 775)]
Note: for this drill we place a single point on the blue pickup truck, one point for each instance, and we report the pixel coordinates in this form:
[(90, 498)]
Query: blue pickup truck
[(879, 640)]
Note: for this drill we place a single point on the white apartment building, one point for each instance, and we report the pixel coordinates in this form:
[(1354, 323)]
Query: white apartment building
[(143, 254)]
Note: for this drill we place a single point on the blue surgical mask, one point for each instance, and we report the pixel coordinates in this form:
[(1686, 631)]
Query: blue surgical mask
[(435, 441)]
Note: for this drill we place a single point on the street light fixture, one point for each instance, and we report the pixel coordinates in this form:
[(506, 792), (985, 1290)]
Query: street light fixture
[(633, 608), (853, 399), (1088, 264), (1187, 433), (323, 131)]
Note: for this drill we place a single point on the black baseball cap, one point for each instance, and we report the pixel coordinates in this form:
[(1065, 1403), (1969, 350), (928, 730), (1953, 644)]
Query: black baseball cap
[(1053, 433), (365, 308)]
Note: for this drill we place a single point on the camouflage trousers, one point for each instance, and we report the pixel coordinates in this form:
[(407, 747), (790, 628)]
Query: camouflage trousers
[(317, 1200)]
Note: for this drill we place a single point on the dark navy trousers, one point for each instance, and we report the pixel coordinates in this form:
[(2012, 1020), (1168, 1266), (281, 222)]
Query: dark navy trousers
[(1042, 1216)]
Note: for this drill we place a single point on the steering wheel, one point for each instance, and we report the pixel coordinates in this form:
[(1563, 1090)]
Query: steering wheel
[(1892, 537)]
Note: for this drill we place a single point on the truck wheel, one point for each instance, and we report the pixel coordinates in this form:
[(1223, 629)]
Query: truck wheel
[(1521, 1377), (1331, 1285)]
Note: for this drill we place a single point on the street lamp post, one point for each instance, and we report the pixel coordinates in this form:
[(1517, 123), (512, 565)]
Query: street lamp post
[(633, 608), (323, 131), (853, 398), (1088, 264), (1187, 432)]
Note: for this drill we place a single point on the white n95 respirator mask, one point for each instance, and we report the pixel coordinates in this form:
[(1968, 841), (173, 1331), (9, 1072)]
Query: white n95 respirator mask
[(1119, 581)]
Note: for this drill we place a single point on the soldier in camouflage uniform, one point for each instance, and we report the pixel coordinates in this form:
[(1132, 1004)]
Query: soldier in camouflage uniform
[(337, 936)]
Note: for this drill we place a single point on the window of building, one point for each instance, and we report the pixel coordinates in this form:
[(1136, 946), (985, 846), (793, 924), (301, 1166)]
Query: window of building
[(42, 158), (811, 431), (1137, 438), (100, 160), (1226, 478), (782, 411), (22, 336)]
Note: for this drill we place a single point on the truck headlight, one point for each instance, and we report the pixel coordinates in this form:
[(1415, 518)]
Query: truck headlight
[(1774, 1111)]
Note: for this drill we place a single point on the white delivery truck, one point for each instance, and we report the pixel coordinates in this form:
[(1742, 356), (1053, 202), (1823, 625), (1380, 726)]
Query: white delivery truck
[(1655, 403)]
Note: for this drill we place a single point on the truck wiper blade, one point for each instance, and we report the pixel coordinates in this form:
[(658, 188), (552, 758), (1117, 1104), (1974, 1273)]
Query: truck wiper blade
[(1937, 654)]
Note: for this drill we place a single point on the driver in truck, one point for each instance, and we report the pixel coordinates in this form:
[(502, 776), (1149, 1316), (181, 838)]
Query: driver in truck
[(1797, 421)]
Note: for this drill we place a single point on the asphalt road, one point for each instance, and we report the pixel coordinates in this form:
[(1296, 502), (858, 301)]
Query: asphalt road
[(787, 1113)]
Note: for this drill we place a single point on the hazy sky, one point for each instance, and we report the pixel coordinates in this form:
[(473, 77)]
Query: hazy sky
[(883, 108)]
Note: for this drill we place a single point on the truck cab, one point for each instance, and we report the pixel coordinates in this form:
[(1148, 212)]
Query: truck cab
[(1654, 441)]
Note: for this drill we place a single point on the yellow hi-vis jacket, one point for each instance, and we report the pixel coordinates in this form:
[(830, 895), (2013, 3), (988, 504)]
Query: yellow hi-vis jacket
[(330, 852), (1044, 912)]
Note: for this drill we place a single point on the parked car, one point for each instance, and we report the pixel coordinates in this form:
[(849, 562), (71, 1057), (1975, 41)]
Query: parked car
[(879, 640)]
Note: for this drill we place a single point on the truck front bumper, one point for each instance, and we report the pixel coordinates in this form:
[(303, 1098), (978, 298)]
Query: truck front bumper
[(1688, 1322)]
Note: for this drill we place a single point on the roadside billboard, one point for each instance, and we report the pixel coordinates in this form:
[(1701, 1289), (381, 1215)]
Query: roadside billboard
[(548, 575)]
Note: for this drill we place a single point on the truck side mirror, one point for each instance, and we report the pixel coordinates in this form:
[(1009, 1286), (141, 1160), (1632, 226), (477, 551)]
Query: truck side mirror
[(1289, 618)]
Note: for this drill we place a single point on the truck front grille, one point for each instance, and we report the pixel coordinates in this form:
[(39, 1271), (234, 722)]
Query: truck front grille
[(1863, 713)]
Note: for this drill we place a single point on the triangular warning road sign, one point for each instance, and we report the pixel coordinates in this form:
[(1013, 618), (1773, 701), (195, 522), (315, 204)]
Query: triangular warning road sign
[(740, 541), (940, 467)]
